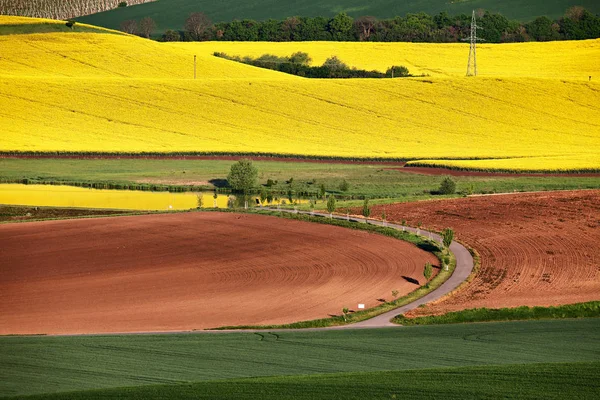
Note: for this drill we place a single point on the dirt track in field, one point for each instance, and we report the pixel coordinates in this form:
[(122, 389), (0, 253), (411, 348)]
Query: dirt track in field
[(191, 271), (536, 249)]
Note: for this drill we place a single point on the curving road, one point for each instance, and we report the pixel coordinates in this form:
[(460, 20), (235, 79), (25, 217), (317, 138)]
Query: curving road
[(464, 267)]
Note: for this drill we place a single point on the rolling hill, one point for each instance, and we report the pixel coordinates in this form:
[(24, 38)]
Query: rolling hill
[(88, 92), (171, 14)]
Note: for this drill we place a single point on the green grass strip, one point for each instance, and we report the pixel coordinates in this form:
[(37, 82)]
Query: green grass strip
[(579, 310), (420, 241), (528, 381)]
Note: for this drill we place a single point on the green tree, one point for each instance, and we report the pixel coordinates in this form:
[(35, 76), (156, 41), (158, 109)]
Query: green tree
[(300, 58), (341, 27), (335, 64), (199, 200), (427, 271), (215, 197), (366, 211), (397, 71), (171, 36), (322, 191), (446, 260), (448, 186), (344, 186), (331, 205), (263, 195), (542, 30), (345, 312), (447, 236), (243, 177), (290, 195)]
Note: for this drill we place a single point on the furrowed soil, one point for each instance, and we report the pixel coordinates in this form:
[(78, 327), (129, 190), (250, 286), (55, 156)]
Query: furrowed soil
[(536, 249), (191, 271)]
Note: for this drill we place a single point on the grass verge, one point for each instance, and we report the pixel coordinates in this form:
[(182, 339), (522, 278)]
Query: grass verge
[(357, 316), (579, 310)]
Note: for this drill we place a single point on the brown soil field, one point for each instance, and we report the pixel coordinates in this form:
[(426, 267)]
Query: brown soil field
[(189, 271), (537, 249)]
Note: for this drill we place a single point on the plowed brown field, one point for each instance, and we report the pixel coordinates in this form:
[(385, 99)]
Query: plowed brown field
[(191, 271), (536, 249)]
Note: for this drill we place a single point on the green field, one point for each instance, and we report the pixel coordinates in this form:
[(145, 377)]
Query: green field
[(550, 381), (35, 365), (171, 14), (374, 181)]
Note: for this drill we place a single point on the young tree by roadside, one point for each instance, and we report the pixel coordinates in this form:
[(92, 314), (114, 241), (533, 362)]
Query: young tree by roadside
[(130, 26), (366, 211), (199, 200), (447, 237), (215, 196), (147, 26), (446, 260), (198, 25), (331, 205), (427, 271), (384, 218), (243, 177), (345, 312)]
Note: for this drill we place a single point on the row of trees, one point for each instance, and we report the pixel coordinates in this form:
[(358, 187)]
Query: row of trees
[(298, 64), (577, 23), (61, 9)]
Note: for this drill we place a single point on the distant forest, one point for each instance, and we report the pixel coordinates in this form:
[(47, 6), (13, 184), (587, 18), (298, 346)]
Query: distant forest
[(576, 24)]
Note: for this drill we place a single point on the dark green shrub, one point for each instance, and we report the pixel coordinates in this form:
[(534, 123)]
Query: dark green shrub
[(448, 186)]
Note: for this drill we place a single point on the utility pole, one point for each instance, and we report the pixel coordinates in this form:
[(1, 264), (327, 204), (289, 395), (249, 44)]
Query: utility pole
[(194, 66), (472, 64)]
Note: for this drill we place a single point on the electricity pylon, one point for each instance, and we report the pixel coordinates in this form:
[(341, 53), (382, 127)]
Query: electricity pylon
[(472, 64)]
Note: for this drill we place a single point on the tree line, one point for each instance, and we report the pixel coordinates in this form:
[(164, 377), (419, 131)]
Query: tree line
[(577, 23), (298, 64)]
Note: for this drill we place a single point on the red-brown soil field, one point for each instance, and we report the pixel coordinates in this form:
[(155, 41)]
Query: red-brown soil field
[(191, 271), (537, 249)]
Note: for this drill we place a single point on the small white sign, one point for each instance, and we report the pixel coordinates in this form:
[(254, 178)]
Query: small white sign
[(360, 306)]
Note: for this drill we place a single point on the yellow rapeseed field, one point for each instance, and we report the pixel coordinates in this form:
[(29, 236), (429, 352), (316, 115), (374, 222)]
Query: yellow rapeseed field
[(86, 92), (560, 60)]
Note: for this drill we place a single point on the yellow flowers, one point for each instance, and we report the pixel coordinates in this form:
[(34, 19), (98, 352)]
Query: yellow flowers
[(561, 60), (87, 92)]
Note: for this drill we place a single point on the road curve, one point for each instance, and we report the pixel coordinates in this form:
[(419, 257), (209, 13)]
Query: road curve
[(464, 267)]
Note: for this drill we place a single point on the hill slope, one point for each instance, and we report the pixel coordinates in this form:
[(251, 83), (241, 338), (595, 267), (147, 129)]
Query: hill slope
[(171, 14), (85, 92)]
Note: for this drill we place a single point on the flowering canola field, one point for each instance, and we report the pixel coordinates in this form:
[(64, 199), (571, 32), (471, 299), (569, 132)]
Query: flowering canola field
[(86, 92)]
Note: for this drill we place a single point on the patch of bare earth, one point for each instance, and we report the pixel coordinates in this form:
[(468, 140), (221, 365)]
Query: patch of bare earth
[(191, 271), (536, 249)]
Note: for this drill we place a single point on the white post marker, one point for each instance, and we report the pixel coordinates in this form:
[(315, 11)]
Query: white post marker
[(361, 306)]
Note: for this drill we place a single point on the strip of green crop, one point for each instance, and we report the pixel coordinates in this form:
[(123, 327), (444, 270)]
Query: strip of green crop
[(420, 241), (579, 310), (550, 381)]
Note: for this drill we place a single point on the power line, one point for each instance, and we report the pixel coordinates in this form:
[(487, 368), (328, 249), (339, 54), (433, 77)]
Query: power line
[(472, 64)]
